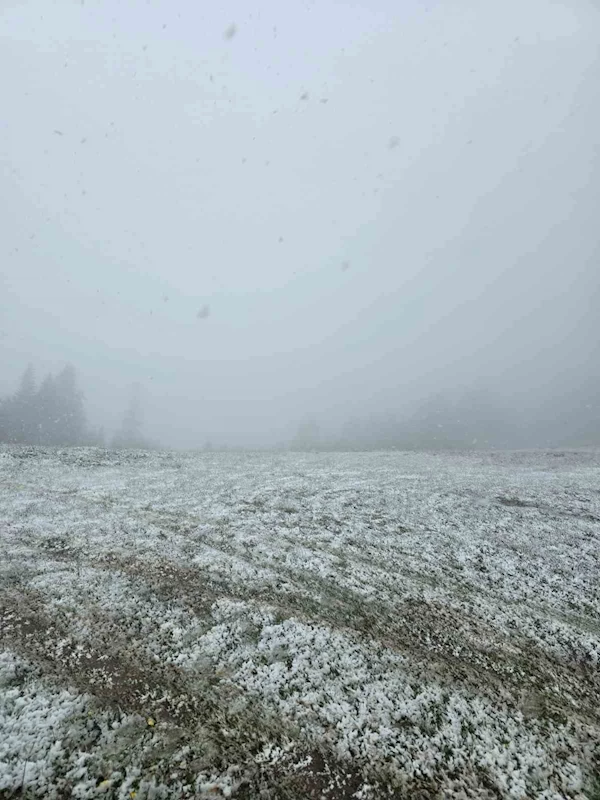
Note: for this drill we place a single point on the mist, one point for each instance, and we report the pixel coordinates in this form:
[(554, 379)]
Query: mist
[(274, 213)]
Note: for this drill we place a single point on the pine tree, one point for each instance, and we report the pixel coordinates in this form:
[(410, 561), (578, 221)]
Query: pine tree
[(100, 438), (308, 436), (4, 420), (22, 422), (130, 434), (48, 412), (52, 415), (71, 423)]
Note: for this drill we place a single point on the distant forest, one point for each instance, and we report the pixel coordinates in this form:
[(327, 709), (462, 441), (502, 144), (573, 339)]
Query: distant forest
[(53, 414), (468, 419)]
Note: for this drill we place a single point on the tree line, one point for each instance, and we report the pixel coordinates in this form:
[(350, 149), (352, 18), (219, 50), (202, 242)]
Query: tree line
[(52, 413), (467, 419)]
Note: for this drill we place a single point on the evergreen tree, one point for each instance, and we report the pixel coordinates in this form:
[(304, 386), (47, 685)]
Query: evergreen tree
[(3, 420), (100, 438), (308, 436), (130, 434), (70, 422), (54, 414), (21, 411), (48, 412)]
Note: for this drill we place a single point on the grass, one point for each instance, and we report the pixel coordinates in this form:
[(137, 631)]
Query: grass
[(352, 625)]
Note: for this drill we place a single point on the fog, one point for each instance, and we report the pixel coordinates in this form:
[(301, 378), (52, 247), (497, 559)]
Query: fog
[(271, 212)]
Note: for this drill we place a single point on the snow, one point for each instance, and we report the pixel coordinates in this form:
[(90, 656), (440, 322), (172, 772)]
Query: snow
[(422, 621)]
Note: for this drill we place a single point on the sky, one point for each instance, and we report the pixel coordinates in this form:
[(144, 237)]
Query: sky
[(263, 211)]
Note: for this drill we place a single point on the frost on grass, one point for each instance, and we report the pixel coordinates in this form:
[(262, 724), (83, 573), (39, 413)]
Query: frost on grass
[(30, 745), (55, 743), (51, 742), (299, 625)]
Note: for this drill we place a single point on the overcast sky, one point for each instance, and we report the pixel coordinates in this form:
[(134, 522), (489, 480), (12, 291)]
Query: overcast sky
[(263, 210)]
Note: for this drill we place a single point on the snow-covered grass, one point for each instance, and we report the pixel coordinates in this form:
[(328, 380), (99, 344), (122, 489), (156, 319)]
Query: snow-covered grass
[(299, 625)]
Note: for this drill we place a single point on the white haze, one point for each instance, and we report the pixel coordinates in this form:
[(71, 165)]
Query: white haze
[(330, 209)]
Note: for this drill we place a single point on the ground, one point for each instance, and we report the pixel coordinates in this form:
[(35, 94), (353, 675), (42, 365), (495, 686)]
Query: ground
[(299, 625)]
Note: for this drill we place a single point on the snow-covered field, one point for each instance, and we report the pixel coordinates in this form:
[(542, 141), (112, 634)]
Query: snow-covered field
[(299, 625)]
